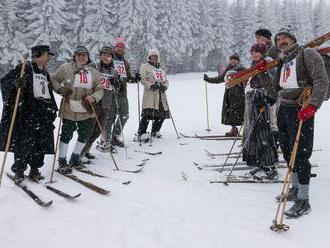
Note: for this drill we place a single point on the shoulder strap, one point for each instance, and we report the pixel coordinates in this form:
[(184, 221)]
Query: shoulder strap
[(310, 81)]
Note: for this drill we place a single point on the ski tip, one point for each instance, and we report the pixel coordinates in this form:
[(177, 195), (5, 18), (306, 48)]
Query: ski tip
[(48, 204), (76, 196)]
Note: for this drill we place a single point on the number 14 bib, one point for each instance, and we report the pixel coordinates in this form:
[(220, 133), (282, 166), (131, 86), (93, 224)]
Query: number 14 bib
[(83, 80)]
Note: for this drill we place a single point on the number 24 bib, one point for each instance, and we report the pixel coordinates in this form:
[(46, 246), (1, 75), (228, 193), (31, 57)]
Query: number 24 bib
[(159, 74)]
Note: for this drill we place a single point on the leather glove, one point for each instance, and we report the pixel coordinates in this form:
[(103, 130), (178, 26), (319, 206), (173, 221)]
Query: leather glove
[(21, 82), (137, 77), (162, 88), (306, 113), (87, 105), (65, 91), (155, 86), (261, 65), (206, 77)]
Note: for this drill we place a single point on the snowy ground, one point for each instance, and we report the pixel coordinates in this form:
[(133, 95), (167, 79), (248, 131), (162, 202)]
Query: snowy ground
[(159, 208)]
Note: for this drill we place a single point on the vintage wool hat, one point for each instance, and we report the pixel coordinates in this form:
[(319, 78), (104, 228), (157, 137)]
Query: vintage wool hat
[(287, 31), (106, 49), (81, 49), (234, 56), (119, 42), (264, 32), (259, 48)]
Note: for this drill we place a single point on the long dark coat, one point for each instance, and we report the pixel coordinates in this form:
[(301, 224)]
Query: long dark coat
[(34, 129), (233, 100)]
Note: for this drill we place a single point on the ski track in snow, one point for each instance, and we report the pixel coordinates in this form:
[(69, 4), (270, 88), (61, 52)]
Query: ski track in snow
[(159, 208)]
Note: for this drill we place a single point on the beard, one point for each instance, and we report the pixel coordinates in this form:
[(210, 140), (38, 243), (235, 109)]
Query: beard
[(284, 46)]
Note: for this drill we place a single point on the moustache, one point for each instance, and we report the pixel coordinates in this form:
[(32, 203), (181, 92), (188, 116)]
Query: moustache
[(284, 45)]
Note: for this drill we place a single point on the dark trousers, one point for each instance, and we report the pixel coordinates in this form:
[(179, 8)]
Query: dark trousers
[(22, 160), (94, 133), (156, 126), (83, 129), (123, 114), (288, 123)]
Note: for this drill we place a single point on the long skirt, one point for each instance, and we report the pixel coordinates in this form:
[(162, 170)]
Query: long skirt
[(259, 147)]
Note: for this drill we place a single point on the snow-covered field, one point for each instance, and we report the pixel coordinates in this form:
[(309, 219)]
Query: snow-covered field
[(159, 208)]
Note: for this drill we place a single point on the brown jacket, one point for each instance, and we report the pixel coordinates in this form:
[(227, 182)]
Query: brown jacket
[(319, 80), (65, 75), (151, 97)]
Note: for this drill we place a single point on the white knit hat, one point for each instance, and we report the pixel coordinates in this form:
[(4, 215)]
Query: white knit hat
[(154, 52)]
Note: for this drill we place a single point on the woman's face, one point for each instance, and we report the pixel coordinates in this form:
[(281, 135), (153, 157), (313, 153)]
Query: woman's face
[(106, 58), (153, 59), (255, 56)]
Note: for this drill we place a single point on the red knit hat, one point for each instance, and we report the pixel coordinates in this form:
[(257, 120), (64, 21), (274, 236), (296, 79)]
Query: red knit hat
[(119, 42), (259, 48)]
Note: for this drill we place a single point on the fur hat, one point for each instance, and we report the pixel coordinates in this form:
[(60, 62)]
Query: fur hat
[(287, 31), (263, 32), (259, 48), (154, 52)]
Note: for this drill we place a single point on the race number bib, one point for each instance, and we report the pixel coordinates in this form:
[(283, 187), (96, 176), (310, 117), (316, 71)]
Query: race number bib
[(288, 78), (120, 68), (159, 74), (106, 80), (83, 79), (40, 86)]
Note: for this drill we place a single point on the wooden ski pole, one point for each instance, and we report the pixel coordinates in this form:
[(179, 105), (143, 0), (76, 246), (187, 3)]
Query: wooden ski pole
[(13, 119), (207, 108), (103, 136), (285, 189), (278, 220), (231, 149)]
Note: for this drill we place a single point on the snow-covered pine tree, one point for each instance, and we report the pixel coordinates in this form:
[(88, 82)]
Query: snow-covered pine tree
[(304, 21), (321, 18), (96, 28), (222, 29)]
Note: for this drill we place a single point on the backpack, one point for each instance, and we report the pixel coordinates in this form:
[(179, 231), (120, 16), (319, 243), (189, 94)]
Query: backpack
[(326, 60)]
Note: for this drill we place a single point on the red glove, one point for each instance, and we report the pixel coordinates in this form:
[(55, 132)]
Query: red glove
[(261, 65), (306, 113)]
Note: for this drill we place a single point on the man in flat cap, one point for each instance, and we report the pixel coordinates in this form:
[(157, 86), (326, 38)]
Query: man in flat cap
[(33, 131), (80, 86)]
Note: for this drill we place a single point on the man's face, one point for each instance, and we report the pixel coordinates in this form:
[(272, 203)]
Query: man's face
[(120, 50), (262, 40), (255, 56), (284, 42), (233, 62), (44, 59), (81, 58), (106, 58)]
